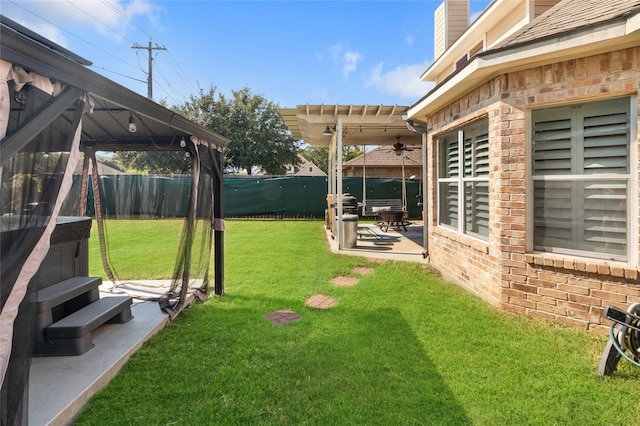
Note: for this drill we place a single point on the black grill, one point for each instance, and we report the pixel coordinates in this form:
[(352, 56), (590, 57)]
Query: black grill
[(349, 204)]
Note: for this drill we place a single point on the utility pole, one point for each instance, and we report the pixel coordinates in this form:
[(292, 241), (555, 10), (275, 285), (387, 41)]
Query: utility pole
[(150, 50)]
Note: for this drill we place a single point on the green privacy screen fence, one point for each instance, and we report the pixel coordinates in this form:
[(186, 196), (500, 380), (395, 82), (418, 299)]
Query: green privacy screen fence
[(297, 197)]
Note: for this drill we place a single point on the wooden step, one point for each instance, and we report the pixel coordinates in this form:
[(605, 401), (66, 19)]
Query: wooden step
[(72, 334)]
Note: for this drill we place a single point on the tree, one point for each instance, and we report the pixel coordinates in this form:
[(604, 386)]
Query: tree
[(257, 133), (111, 161), (156, 162), (349, 152), (319, 155)]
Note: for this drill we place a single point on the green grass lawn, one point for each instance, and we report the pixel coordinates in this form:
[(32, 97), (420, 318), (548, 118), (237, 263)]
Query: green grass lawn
[(402, 347), (137, 249)]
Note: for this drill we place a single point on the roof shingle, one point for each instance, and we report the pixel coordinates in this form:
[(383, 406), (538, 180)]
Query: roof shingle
[(385, 156), (571, 15)]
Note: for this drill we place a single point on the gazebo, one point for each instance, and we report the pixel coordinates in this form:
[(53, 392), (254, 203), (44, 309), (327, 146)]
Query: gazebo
[(52, 108)]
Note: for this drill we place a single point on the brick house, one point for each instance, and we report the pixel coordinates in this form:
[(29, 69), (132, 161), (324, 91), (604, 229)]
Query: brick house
[(532, 155), (304, 168), (382, 162)]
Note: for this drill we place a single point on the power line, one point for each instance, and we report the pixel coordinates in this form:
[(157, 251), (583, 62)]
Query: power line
[(175, 66), (174, 95), (120, 74), (84, 40), (173, 63), (184, 75), (101, 23), (150, 50), (127, 18)]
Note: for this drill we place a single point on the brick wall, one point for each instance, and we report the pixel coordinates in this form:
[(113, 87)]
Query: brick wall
[(501, 270)]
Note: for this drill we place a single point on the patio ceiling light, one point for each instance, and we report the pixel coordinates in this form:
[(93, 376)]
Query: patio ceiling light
[(328, 131), (132, 123)]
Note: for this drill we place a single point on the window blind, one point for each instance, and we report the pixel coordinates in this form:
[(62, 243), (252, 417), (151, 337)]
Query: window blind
[(581, 177)]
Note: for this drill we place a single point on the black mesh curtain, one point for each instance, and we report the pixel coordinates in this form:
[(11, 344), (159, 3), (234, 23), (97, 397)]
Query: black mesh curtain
[(137, 198), (31, 181), (192, 269)]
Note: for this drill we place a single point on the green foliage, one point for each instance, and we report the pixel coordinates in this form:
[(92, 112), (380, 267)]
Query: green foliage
[(319, 155), (350, 152), (156, 162), (401, 347), (111, 161), (257, 133)]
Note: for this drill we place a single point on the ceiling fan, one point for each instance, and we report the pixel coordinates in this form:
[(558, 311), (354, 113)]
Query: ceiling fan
[(398, 147)]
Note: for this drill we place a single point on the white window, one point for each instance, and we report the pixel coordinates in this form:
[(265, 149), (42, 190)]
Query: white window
[(581, 177), (463, 168)]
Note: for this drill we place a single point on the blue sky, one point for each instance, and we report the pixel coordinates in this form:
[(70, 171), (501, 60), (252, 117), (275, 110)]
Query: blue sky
[(291, 52)]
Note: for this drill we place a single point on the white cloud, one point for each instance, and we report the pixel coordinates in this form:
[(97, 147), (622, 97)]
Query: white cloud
[(346, 60), (350, 62), (409, 40), (112, 19), (402, 81), (336, 52)]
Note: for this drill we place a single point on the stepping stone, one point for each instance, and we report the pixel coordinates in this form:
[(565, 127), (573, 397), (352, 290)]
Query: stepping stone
[(282, 317), (361, 270), (376, 260), (343, 281), (320, 301)]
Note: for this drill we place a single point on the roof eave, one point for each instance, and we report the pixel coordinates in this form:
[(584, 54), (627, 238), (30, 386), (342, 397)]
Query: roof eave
[(618, 34)]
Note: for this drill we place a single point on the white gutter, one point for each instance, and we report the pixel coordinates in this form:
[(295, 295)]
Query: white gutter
[(422, 129)]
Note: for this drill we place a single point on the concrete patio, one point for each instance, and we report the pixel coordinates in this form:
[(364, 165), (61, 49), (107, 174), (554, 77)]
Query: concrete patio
[(394, 244), (59, 387)]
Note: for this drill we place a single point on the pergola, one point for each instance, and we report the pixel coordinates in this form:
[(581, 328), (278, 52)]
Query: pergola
[(335, 126)]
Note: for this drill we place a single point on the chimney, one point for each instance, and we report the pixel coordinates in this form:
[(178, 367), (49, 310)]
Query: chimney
[(450, 21)]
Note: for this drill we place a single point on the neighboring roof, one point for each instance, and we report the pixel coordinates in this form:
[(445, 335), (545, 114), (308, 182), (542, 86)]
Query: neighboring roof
[(106, 127), (303, 168), (361, 124), (386, 157), (571, 15), (564, 38)]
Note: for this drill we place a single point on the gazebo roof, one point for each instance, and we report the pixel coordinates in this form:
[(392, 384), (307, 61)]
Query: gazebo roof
[(106, 128), (361, 124)]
